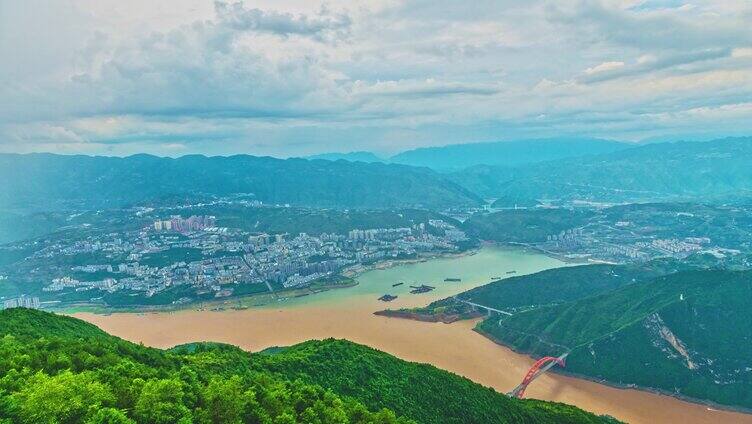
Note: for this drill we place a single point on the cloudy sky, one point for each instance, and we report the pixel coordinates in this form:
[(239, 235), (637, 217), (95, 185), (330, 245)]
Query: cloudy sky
[(288, 77)]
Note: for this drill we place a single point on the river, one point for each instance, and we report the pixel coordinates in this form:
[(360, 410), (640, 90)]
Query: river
[(348, 313)]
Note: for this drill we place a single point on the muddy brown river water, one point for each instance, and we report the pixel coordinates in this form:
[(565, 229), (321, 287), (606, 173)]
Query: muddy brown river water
[(348, 314)]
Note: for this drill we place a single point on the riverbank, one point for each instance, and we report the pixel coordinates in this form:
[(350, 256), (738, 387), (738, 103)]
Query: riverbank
[(357, 270), (407, 314), (348, 274), (349, 314), (448, 314), (563, 371), (454, 347), (558, 256), (239, 302)]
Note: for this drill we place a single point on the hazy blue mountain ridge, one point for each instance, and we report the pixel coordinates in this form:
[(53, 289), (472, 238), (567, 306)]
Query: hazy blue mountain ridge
[(654, 172), (367, 157), (660, 171), (49, 182), (505, 153)]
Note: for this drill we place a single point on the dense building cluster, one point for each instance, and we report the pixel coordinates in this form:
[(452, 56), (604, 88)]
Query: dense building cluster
[(194, 257), (178, 224), (21, 302), (622, 243)]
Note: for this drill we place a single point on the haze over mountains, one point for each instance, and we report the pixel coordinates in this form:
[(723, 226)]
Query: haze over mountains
[(454, 157), (523, 173), (367, 157), (54, 181), (617, 173), (505, 153), (649, 172), (554, 180), (674, 323)]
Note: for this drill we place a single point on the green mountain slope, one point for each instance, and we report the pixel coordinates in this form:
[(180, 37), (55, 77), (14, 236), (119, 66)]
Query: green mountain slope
[(51, 182), (59, 369), (422, 392), (314, 220), (525, 225), (549, 287), (687, 333), (15, 227), (18, 227), (552, 286)]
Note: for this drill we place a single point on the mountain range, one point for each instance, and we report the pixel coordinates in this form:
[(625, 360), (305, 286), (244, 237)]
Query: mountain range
[(49, 182), (505, 153), (361, 156), (525, 173), (661, 171), (714, 171), (455, 157)]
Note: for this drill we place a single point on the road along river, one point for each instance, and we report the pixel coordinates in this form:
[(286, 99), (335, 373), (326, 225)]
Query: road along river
[(348, 314)]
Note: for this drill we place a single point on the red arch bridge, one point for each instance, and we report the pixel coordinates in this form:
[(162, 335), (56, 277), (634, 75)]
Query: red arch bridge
[(541, 365)]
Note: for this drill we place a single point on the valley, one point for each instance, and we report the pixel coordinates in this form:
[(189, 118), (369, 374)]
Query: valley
[(348, 313)]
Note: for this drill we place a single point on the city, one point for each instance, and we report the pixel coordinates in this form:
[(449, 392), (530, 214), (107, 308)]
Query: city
[(376, 212), (175, 260), (635, 233)]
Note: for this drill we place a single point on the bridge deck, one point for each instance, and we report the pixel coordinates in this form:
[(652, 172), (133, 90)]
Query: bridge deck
[(488, 308)]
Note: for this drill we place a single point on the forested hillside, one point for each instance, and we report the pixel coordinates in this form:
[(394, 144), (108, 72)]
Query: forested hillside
[(518, 174), (49, 182), (524, 225), (548, 287), (57, 369), (687, 333)]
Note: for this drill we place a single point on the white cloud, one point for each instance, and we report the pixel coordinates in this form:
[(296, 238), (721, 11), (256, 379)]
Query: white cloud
[(742, 52), (322, 25), (298, 76), (422, 88), (604, 67)]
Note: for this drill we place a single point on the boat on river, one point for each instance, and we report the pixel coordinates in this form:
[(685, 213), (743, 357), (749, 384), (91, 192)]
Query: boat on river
[(423, 288), (387, 298)]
